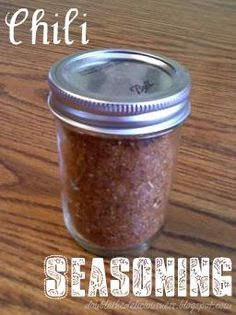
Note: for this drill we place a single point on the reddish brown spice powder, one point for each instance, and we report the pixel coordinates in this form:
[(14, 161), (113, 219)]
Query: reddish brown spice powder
[(115, 191)]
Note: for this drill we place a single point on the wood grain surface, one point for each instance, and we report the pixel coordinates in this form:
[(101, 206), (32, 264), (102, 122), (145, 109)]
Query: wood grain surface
[(201, 217)]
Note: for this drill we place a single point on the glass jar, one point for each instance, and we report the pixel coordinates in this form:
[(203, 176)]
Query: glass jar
[(118, 116)]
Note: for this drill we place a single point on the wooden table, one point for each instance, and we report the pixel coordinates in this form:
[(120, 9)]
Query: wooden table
[(201, 215)]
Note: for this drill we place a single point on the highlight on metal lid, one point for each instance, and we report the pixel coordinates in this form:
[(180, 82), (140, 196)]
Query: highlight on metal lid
[(121, 92)]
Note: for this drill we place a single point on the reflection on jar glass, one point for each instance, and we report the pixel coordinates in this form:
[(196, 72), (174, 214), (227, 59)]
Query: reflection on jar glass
[(118, 116)]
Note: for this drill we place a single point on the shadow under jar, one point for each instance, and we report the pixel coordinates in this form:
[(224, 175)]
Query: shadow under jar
[(118, 116)]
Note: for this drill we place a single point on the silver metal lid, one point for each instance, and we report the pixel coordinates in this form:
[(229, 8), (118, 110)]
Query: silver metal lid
[(119, 92)]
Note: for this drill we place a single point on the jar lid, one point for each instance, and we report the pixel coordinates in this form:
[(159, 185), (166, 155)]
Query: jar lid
[(119, 92)]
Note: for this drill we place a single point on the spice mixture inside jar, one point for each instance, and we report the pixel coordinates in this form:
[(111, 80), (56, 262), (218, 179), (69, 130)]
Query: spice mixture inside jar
[(118, 114)]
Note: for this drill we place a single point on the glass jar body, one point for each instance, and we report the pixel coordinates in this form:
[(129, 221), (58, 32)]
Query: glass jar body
[(114, 189)]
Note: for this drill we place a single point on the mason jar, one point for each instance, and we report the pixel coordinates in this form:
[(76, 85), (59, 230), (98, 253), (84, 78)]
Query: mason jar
[(118, 115)]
